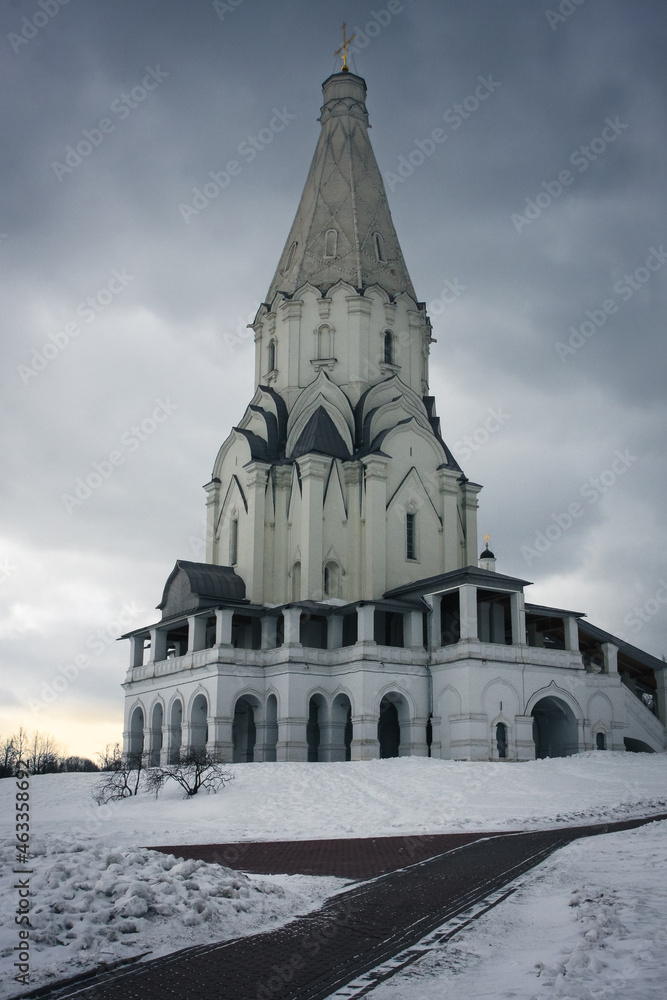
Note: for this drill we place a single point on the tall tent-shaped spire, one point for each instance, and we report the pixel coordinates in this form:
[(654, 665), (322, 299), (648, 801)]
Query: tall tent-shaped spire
[(343, 227)]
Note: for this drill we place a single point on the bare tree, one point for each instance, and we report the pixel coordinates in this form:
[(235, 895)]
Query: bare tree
[(194, 769), (122, 781), (7, 757)]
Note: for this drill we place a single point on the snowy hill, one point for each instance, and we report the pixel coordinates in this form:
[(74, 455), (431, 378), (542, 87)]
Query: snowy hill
[(98, 895)]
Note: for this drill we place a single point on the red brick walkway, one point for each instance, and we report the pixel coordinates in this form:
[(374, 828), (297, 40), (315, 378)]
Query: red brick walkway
[(357, 930)]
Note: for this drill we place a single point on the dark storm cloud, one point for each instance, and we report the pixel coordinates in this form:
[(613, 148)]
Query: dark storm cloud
[(176, 330)]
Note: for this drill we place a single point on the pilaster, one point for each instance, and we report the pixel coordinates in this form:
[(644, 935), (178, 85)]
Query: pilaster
[(314, 469), (256, 477), (449, 491), (375, 533)]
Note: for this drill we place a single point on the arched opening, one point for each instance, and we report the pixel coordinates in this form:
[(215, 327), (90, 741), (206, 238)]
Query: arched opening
[(199, 723), (233, 541), (271, 727), (341, 728), (388, 347), (600, 741), (501, 740), (296, 581), (330, 243), (156, 735), (377, 244), (290, 257), (324, 341), (272, 355), (137, 735), (243, 732), (389, 728), (316, 720), (636, 746), (331, 583), (410, 535), (554, 728), (175, 732)]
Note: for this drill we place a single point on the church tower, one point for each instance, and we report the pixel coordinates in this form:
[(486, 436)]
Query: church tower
[(342, 613), (337, 483)]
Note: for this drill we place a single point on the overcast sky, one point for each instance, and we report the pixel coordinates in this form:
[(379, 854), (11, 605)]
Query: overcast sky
[(542, 210)]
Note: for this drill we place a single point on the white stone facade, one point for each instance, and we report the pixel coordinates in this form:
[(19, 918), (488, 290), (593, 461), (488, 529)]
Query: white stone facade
[(342, 613)]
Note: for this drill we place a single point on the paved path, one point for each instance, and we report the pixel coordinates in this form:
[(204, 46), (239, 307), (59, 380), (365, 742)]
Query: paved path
[(357, 930)]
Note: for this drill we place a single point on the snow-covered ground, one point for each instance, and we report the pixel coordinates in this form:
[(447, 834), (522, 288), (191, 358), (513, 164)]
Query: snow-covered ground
[(590, 923), (98, 895)]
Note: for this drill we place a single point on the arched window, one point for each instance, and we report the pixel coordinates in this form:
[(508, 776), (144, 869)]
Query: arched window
[(325, 341), (331, 579), (233, 541), (290, 257), (377, 243), (330, 243), (296, 581), (501, 739), (272, 355), (410, 535), (388, 347)]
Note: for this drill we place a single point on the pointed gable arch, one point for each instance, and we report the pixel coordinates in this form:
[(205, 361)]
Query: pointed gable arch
[(322, 394), (412, 488)]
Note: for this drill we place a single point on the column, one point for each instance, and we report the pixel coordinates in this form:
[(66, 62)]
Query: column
[(413, 630), (334, 631), (314, 470), (468, 611), (571, 630), (518, 614), (365, 743), (196, 633), (136, 651), (434, 620), (366, 623), (610, 657), (158, 644), (292, 619), (269, 631), (223, 626), (375, 534)]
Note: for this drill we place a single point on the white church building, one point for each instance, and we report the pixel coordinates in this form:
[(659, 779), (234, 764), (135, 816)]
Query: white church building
[(343, 612)]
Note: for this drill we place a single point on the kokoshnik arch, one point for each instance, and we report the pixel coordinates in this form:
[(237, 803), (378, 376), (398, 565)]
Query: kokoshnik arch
[(342, 612)]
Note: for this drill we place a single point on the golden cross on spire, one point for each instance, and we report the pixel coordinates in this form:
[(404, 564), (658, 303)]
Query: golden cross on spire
[(486, 539), (346, 41)]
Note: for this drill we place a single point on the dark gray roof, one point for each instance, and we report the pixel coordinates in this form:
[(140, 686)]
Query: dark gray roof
[(195, 585), (321, 435)]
